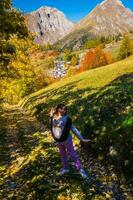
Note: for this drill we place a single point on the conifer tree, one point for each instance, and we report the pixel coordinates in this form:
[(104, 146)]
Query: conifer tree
[(126, 48)]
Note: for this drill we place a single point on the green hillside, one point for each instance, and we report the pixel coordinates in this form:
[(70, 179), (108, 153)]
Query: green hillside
[(94, 80), (100, 99), (114, 47)]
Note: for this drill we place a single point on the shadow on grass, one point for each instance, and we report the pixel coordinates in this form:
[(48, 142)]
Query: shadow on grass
[(38, 178), (107, 111)]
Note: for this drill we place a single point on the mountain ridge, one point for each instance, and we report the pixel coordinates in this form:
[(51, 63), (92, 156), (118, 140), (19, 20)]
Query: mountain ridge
[(108, 18)]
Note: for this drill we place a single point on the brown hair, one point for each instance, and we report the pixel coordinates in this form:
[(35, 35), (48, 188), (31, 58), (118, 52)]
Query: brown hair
[(61, 105)]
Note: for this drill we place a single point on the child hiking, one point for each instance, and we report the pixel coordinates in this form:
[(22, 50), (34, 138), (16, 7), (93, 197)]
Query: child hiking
[(61, 124)]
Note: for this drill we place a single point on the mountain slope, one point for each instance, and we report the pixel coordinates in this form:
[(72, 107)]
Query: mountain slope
[(109, 18), (49, 24), (106, 19), (75, 39)]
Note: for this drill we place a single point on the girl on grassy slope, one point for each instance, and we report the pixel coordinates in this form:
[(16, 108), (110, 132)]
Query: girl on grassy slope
[(61, 124)]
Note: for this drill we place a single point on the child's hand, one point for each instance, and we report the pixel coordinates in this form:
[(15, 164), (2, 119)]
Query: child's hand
[(86, 140), (52, 112)]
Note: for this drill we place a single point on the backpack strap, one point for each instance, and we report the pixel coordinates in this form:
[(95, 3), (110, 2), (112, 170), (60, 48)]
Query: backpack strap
[(65, 132)]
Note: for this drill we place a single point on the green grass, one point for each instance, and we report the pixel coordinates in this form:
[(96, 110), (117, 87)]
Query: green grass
[(100, 99), (93, 79), (114, 49)]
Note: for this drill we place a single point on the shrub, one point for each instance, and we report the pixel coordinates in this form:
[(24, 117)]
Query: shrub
[(74, 60), (95, 58), (126, 48)]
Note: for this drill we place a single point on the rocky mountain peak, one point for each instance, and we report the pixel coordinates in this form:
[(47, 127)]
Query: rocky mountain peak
[(49, 24), (110, 17), (112, 2)]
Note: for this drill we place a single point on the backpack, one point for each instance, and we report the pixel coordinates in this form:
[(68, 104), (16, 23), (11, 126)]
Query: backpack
[(65, 132)]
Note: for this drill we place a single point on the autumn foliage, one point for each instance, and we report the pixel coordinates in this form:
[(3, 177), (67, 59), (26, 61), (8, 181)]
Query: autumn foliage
[(95, 58)]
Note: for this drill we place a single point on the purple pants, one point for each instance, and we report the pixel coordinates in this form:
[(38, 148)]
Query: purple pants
[(64, 149)]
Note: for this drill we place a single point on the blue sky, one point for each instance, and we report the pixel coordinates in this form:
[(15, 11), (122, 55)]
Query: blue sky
[(73, 9)]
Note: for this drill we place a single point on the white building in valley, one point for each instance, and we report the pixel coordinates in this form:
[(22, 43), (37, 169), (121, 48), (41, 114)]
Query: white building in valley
[(59, 69)]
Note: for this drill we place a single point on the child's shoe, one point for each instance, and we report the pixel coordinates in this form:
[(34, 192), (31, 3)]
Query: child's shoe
[(64, 171), (83, 173)]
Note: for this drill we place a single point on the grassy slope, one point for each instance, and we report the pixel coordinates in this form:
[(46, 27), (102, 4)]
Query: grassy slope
[(114, 47), (102, 99), (91, 79), (30, 165)]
